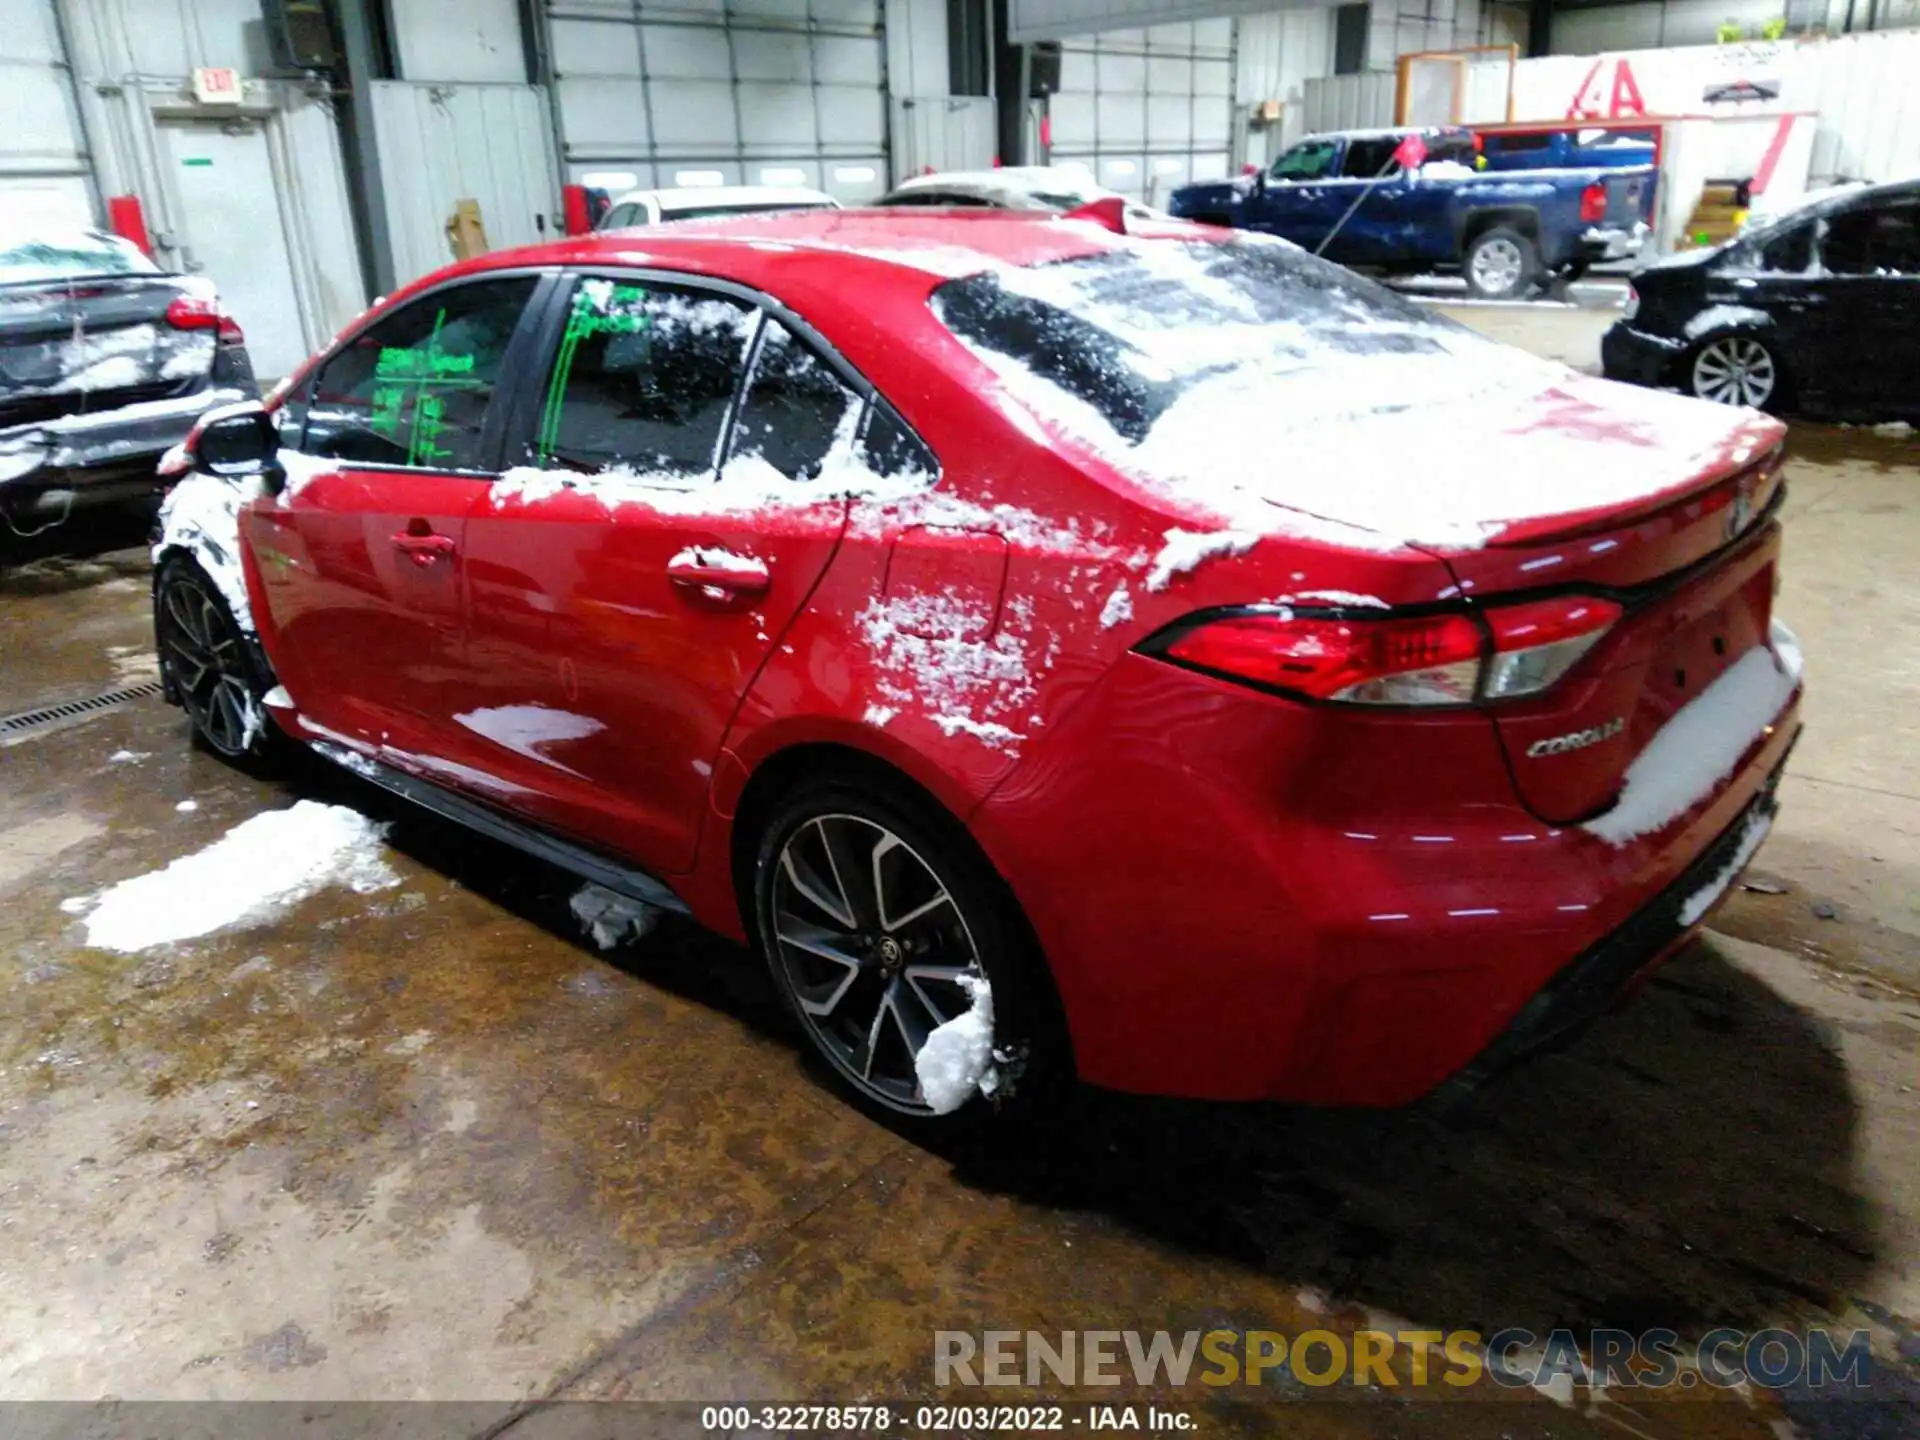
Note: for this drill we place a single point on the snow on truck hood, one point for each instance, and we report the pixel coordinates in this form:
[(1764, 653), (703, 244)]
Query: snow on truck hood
[(1251, 387)]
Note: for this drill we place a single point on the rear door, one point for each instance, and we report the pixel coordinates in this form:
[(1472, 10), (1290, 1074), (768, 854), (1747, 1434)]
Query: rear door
[(618, 618), (1868, 318), (361, 561)]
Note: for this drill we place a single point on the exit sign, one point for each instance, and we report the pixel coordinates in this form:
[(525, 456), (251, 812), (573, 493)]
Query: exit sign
[(216, 86)]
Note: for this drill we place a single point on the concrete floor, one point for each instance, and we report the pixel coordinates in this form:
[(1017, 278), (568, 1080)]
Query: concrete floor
[(433, 1147)]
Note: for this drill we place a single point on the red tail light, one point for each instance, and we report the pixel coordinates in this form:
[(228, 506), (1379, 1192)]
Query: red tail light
[(188, 312), (1593, 202), (1454, 658)]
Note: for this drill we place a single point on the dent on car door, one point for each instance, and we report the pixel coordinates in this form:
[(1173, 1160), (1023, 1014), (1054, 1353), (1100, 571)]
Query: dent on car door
[(360, 559), (619, 617)]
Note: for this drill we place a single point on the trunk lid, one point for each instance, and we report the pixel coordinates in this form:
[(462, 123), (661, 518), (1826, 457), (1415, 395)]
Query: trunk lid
[(88, 345), (1695, 578)]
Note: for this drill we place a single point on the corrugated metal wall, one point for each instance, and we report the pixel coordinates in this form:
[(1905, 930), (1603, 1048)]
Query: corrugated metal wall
[(464, 40), (43, 154), (1276, 55), (487, 143), (1349, 102), (778, 92), (1863, 89), (1147, 110)]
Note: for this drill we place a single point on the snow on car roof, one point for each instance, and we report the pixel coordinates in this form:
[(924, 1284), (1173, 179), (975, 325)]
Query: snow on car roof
[(713, 196)]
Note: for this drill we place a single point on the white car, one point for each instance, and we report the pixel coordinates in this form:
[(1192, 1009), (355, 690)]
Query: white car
[(1011, 187), (655, 207)]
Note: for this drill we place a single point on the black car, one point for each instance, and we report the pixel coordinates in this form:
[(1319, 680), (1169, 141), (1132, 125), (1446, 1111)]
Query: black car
[(106, 361), (1817, 310)]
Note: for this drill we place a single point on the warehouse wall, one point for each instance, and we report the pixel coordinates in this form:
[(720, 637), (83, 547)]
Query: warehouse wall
[(1276, 55), (44, 166), (1644, 26), (471, 40), (1147, 110)]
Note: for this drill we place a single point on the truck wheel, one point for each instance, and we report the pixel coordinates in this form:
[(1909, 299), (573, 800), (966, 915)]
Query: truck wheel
[(1502, 264)]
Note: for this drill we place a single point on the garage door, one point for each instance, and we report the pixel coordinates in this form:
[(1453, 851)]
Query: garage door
[(43, 162), (753, 92), (1147, 110)]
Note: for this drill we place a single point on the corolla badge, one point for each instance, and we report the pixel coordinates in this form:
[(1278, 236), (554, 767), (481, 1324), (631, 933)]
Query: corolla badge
[(1578, 740)]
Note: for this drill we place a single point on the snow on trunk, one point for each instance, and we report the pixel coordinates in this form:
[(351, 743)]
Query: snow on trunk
[(251, 875), (957, 1060), (1695, 751), (1187, 550), (611, 918)]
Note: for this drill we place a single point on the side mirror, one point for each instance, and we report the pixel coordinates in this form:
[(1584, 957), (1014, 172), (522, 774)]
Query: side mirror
[(239, 441)]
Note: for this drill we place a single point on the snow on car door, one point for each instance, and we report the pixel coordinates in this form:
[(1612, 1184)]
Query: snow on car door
[(360, 559), (624, 590)]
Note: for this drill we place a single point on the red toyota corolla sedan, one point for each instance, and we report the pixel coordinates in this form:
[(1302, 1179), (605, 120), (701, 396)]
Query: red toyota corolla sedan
[(1064, 646)]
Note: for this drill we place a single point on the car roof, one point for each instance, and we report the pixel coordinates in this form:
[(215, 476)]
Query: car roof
[(1386, 132), (753, 249), (689, 196)]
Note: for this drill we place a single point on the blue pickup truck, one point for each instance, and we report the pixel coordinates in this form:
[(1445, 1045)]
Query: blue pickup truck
[(1509, 233)]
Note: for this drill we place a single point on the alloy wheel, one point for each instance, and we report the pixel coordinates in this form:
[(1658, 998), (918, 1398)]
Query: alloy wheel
[(874, 948), (1734, 370), (1497, 266), (204, 653)]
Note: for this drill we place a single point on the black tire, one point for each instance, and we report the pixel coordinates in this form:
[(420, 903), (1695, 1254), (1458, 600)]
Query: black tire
[(978, 928), (212, 669), (1501, 264), (1736, 367)]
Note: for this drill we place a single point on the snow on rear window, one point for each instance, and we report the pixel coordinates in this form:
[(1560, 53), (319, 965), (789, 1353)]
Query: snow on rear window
[(1262, 390)]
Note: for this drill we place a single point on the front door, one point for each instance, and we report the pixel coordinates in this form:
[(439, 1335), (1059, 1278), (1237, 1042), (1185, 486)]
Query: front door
[(623, 600), (361, 559)]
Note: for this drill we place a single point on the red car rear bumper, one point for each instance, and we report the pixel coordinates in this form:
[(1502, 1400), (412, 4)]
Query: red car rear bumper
[(1267, 900)]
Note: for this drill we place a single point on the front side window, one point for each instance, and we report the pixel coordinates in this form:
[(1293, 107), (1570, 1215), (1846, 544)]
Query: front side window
[(793, 408), (1309, 160), (643, 379), (414, 389), (1788, 251)]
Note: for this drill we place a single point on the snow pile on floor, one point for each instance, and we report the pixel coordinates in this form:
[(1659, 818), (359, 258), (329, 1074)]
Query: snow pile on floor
[(201, 515), (1704, 899), (611, 918), (251, 875), (957, 1059), (1894, 429), (1700, 746)]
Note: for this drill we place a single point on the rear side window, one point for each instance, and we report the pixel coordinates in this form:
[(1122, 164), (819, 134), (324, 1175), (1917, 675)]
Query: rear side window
[(415, 388), (1881, 240), (1790, 252), (643, 379), (1368, 158), (793, 407)]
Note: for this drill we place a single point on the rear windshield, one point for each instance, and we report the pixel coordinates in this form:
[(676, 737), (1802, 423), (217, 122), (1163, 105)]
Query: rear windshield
[(75, 255), (1133, 330)]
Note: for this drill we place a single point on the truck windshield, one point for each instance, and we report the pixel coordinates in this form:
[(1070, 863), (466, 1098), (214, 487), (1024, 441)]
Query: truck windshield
[(1130, 331)]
